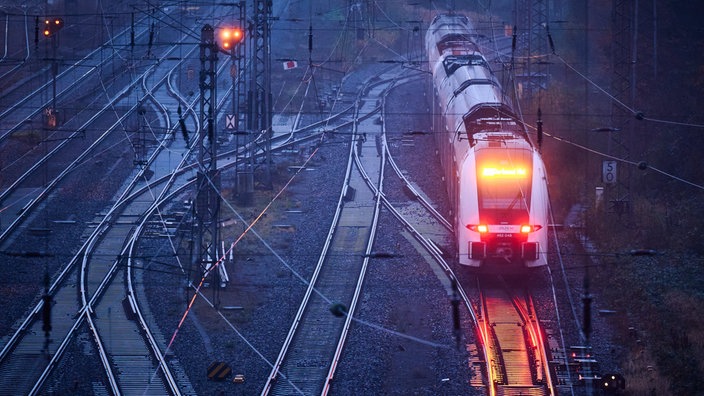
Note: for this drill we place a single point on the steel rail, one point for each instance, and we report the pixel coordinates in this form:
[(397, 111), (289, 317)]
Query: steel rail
[(50, 186), (528, 312), (99, 230), (433, 252), (86, 313), (27, 51), (377, 190), (284, 350)]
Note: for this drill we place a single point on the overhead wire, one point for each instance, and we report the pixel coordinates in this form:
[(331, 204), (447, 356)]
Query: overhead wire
[(250, 229), (388, 18), (640, 165), (637, 114)]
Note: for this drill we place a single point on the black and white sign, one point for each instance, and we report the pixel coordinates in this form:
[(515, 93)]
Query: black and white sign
[(230, 121), (608, 172)]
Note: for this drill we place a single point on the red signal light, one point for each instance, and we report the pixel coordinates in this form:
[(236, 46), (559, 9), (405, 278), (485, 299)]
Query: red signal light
[(52, 26), (237, 35), (231, 37)]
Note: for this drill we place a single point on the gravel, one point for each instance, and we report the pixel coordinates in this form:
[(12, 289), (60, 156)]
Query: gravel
[(396, 347), (402, 341)]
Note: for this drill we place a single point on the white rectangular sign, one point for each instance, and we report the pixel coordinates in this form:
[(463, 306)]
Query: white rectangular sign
[(608, 172)]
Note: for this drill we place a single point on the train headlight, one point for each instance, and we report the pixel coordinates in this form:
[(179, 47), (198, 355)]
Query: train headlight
[(525, 229), (480, 228)]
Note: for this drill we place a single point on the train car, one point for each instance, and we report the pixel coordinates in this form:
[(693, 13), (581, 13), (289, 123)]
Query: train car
[(495, 177)]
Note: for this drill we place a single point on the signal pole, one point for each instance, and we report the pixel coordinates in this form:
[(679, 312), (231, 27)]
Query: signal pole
[(51, 28), (207, 203), (234, 44), (50, 31), (260, 109)]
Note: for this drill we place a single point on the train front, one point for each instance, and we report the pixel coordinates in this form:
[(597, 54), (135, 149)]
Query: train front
[(503, 207)]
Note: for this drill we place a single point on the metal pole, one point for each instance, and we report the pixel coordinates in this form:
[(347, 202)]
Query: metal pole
[(207, 202)]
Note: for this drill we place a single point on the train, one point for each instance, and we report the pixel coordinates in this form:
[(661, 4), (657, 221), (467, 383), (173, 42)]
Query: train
[(495, 176)]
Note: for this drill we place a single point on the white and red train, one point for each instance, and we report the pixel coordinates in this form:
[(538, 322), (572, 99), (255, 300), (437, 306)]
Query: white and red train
[(495, 177)]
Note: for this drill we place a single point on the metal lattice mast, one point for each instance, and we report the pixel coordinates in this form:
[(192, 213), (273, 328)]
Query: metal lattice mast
[(623, 59), (244, 177), (370, 12), (260, 101), (643, 69), (539, 44), (208, 181), (532, 48)]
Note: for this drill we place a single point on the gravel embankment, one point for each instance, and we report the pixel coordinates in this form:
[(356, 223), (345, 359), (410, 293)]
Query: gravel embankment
[(402, 342)]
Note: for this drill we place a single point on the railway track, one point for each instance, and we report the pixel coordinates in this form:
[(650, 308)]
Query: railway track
[(427, 227), (309, 355), (514, 359), (110, 311), (96, 267), (295, 372), (20, 202), (428, 230), (82, 74), (21, 195), (109, 308), (115, 232), (511, 336)]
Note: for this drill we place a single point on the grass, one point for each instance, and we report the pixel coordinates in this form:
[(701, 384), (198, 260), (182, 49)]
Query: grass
[(662, 298)]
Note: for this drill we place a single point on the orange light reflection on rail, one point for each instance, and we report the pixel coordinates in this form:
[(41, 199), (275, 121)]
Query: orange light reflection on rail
[(533, 336)]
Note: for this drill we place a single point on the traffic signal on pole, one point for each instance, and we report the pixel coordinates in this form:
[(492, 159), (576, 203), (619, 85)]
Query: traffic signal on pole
[(52, 25), (231, 37), (613, 382)]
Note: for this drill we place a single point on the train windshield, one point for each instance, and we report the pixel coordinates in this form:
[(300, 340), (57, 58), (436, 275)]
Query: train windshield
[(504, 179), (454, 62)]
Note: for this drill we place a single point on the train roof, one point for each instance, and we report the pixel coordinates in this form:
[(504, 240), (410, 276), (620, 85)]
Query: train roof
[(500, 139), (466, 86), (492, 121), (450, 31), (444, 18), (450, 20), (454, 61)]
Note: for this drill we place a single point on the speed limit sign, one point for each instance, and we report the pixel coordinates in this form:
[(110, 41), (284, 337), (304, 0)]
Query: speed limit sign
[(608, 172)]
